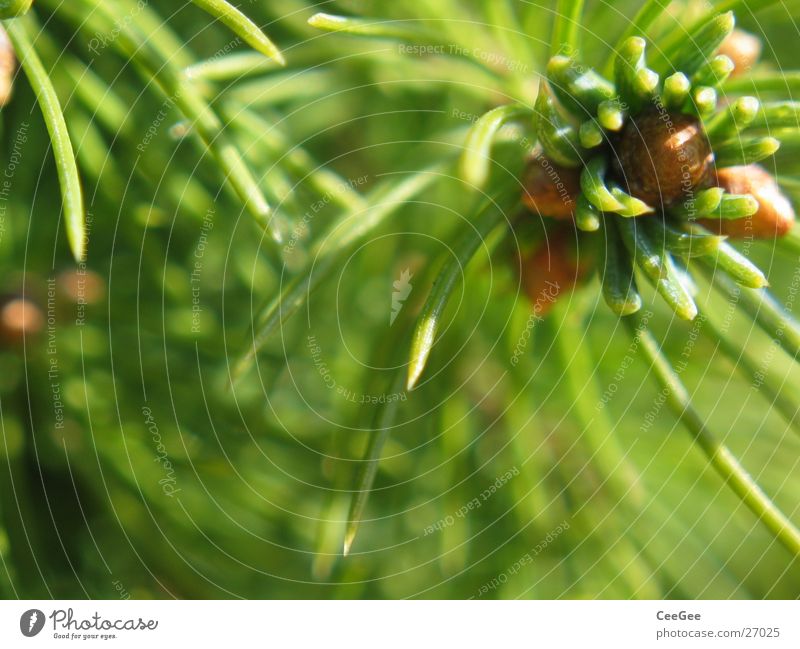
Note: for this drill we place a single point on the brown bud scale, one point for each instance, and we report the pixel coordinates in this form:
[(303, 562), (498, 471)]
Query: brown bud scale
[(663, 157), (552, 269), (550, 190)]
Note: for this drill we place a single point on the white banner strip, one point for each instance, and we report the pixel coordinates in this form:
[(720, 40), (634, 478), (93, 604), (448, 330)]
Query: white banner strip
[(404, 624)]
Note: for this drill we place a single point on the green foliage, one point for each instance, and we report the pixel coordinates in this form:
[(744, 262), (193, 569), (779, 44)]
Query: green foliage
[(218, 394)]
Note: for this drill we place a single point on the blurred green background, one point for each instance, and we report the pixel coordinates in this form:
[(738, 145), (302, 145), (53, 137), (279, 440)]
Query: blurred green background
[(133, 467)]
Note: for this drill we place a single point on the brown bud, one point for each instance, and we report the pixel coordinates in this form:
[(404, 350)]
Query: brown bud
[(20, 317), (743, 49), (775, 215), (550, 270), (663, 156), (8, 66), (550, 190)]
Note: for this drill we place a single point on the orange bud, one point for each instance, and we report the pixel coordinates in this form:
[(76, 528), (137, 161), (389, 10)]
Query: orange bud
[(775, 215), (550, 190), (743, 49), (20, 317), (8, 65), (82, 287)]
